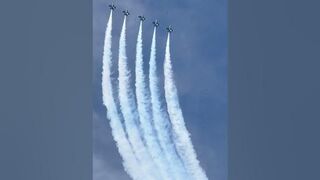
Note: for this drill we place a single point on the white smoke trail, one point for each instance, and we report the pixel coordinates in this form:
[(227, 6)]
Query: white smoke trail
[(182, 137), (130, 163), (161, 119), (129, 111), (145, 113)]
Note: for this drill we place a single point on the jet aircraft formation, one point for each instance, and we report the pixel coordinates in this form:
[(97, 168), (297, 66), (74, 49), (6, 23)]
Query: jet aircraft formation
[(142, 18)]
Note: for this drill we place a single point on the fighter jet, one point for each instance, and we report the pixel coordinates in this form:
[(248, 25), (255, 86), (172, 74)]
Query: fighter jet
[(142, 18), (155, 23), (169, 29), (126, 12), (112, 7)]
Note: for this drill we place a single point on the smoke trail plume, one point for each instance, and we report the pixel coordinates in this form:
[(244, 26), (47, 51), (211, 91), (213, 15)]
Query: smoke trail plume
[(182, 139), (129, 111), (160, 117), (130, 163)]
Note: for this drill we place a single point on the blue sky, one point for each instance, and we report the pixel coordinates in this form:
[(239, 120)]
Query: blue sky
[(199, 54)]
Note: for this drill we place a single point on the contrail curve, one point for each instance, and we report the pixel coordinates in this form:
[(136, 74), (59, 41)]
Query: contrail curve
[(181, 135)]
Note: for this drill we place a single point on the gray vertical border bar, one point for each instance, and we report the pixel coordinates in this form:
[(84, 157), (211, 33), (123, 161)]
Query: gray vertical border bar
[(45, 96), (274, 90)]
